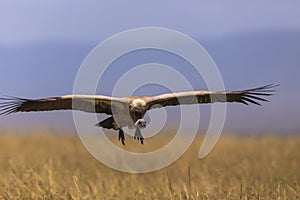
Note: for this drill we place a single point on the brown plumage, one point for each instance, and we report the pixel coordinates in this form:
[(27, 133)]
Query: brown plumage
[(129, 111)]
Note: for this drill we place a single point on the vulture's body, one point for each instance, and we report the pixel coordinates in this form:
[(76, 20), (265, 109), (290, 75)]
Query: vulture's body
[(129, 112)]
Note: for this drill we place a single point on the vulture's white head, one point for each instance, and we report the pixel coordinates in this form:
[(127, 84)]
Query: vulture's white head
[(138, 110)]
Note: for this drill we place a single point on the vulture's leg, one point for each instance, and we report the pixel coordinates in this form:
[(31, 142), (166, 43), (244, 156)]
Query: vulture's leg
[(138, 135), (109, 123), (122, 136)]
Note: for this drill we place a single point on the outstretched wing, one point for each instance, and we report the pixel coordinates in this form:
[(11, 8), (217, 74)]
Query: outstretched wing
[(202, 97), (86, 103)]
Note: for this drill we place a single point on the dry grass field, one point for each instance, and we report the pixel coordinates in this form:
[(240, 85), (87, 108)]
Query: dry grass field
[(47, 166)]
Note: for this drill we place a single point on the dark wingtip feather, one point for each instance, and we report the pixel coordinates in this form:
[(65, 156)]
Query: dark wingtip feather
[(244, 102), (10, 104), (255, 97), (264, 88), (251, 101), (253, 94)]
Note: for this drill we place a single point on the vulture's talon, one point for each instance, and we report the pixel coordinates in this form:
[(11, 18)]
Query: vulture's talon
[(121, 136)]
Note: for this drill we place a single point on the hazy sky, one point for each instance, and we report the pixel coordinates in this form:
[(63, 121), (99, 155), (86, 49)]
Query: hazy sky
[(31, 21), (42, 44)]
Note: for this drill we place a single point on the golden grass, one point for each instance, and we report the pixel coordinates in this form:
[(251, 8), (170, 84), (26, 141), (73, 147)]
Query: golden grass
[(48, 166)]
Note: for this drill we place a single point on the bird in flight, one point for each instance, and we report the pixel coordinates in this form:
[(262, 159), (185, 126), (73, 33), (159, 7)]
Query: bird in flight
[(130, 111)]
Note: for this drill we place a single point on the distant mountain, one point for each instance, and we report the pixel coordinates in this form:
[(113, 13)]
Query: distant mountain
[(265, 56)]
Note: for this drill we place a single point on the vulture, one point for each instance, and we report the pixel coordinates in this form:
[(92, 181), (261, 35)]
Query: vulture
[(130, 111)]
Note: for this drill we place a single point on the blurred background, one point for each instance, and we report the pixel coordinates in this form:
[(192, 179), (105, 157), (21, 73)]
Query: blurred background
[(43, 43)]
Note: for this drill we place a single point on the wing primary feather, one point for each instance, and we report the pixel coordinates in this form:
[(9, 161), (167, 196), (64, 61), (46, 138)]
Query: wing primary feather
[(12, 98), (263, 90), (8, 107), (10, 104), (244, 102), (6, 103), (269, 86), (4, 106), (251, 101), (255, 97), (262, 94), (8, 111)]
